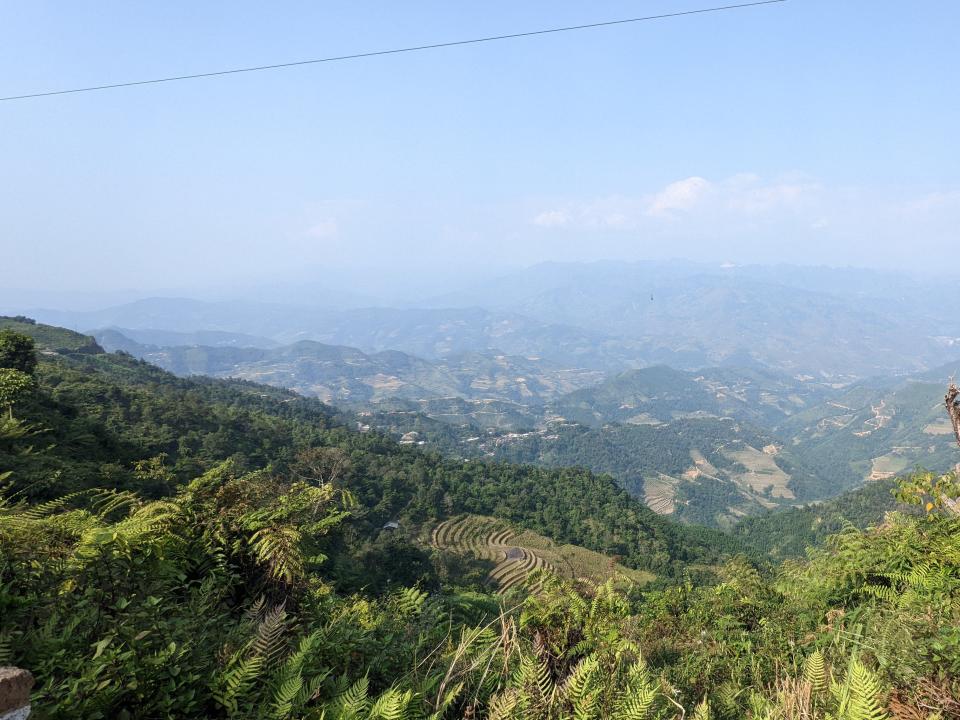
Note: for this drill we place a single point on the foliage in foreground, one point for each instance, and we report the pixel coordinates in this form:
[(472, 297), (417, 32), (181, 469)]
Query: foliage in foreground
[(217, 603), (245, 593)]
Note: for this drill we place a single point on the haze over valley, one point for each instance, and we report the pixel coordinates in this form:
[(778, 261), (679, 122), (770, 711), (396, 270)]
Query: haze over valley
[(710, 393)]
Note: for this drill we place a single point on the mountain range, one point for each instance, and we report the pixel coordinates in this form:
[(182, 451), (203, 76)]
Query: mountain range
[(708, 446), (836, 324)]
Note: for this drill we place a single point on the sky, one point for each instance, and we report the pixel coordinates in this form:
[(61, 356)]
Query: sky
[(809, 132)]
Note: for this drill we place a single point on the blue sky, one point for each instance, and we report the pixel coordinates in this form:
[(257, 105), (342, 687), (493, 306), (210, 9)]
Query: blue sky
[(809, 131)]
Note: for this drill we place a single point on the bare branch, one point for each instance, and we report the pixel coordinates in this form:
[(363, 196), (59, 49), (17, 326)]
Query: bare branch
[(952, 401)]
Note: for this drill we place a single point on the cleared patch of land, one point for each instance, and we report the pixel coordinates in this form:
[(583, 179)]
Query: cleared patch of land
[(941, 427), (887, 466), (762, 472)]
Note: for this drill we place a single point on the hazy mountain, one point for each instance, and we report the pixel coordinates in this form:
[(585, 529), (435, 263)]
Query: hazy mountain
[(837, 324), (814, 320), (428, 333), (184, 315), (347, 375), (116, 338), (661, 394)]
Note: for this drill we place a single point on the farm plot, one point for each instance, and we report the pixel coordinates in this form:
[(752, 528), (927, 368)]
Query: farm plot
[(489, 539), (761, 472), (519, 554), (659, 493)]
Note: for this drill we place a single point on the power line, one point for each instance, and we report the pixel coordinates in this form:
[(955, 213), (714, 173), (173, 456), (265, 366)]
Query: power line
[(394, 51)]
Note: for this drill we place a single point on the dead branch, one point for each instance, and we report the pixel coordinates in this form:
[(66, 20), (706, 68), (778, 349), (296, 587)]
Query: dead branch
[(952, 401)]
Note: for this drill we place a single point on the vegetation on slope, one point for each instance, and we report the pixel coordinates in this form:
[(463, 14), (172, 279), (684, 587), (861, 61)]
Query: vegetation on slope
[(108, 420), (788, 533), (228, 596)]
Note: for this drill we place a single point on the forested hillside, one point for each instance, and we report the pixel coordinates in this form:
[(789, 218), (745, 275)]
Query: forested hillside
[(199, 548), (109, 420), (709, 446), (347, 376), (788, 533)]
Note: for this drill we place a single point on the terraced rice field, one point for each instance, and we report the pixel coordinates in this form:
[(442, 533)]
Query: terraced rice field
[(489, 539), (659, 493), (519, 554), (577, 562)]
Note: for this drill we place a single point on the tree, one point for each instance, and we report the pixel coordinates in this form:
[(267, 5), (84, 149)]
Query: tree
[(17, 352), (14, 384)]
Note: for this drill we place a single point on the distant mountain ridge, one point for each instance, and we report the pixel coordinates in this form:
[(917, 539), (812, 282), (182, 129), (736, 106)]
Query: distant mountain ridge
[(836, 324), (428, 333), (708, 446), (811, 323), (348, 376)]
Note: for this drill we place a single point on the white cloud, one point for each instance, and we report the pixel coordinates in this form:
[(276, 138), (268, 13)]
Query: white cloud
[(739, 198), (750, 218), (680, 195), (552, 218)]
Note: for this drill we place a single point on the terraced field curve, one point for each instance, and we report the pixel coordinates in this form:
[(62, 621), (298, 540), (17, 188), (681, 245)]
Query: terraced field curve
[(517, 554), (489, 539)]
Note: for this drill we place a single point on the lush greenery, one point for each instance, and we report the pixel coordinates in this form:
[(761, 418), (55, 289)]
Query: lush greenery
[(249, 577), (108, 420), (639, 425), (787, 534)]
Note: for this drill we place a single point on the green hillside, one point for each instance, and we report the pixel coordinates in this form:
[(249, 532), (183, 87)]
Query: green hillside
[(664, 434), (198, 548), (660, 394), (109, 419), (708, 471), (789, 533), (50, 339), (876, 429), (347, 376)]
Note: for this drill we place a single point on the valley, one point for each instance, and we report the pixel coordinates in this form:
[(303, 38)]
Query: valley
[(193, 491), (709, 445)]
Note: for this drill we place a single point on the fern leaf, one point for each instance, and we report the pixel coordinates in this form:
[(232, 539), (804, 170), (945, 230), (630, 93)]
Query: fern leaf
[(815, 671), (702, 711), (278, 548), (285, 696), (268, 641), (503, 706), (864, 693)]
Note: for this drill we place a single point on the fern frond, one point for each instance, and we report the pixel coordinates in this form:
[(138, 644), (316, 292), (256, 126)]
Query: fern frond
[(353, 702), (278, 548), (107, 502), (286, 695), (864, 691), (267, 643), (702, 711), (391, 705), (410, 601), (815, 671), (580, 681), (236, 681), (503, 706), (636, 706)]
